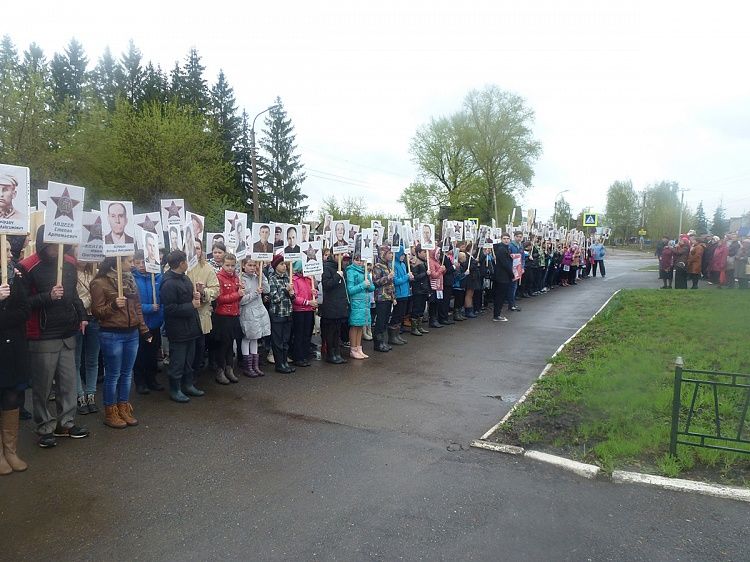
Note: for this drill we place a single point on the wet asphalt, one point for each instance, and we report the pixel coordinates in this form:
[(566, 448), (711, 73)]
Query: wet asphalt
[(368, 460)]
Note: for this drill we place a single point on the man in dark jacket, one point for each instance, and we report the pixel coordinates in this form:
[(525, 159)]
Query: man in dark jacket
[(57, 314), (420, 290), (180, 302), (334, 310), (449, 276), (503, 276)]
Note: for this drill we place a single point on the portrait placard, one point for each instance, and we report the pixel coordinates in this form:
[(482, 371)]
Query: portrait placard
[(235, 228), (212, 238), (63, 216), (189, 242), (427, 236), (118, 228), (174, 235), (292, 251), (367, 244), (339, 239), (150, 245), (41, 200), (14, 199), (91, 244), (198, 223), (261, 242)]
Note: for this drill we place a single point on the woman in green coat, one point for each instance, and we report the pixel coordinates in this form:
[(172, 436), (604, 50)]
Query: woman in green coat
[(359, 286)]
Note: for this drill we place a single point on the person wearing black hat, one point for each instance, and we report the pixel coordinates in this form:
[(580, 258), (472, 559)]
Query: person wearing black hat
[(281, 293)]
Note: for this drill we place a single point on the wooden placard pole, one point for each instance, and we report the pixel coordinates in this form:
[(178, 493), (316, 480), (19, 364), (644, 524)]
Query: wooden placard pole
[(260, 275), (339, 262), (153, 285), (119, 276), (4, 257), (60, 262)]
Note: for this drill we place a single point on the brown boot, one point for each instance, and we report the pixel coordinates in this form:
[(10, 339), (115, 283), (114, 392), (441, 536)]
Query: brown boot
[(112, 417), (229, 374), (9, 422), (126, 413)]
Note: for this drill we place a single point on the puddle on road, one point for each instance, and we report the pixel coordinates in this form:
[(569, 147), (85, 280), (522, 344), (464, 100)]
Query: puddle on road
[(504, 398)]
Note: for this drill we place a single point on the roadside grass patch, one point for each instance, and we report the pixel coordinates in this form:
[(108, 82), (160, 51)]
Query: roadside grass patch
[(649, 268), (607, 399)]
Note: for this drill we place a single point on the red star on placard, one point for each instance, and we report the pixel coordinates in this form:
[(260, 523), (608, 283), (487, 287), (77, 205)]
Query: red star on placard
[(233, 222), (148, 225), (310, 253), (65, 205), (95, 230), (173, 210)]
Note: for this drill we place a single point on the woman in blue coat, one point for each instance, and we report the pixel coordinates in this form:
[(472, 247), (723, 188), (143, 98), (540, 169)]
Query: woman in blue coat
[(359, 286)]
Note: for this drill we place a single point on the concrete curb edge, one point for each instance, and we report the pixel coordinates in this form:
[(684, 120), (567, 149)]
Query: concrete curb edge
[(681, 485)]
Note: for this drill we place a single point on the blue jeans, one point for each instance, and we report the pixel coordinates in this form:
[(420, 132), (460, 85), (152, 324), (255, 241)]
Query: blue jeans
[(119, 350), (512, 293), (87, 350)]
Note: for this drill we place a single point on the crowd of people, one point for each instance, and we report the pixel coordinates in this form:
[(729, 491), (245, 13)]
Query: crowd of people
[(231, 317), (722, 262)]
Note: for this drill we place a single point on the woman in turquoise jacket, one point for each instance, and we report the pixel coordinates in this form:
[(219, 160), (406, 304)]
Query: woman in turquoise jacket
[(401, 279), (358, 286)]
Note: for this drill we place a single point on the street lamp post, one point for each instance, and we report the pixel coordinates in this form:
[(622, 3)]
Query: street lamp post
[(682, 201), (256, 207)]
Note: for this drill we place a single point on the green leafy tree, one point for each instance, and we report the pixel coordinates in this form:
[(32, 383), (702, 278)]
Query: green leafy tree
[(623, 208), (700, 222), (422, 200), (498, 133), (280, 170), (562, 215), (662, 209)]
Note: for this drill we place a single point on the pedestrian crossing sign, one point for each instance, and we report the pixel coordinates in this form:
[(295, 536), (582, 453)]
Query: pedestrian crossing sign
[(590, 219)]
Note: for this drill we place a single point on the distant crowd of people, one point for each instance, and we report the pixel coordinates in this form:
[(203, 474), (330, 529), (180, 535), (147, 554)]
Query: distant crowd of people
[(230, 317), (722, 262)]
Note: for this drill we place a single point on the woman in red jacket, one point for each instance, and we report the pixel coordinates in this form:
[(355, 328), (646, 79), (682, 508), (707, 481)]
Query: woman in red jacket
[(227, 318), (304, 305)]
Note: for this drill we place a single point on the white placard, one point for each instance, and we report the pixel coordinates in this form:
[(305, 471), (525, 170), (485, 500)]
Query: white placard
[(394, 234), (212, 238), (427, 236), (118, 228), (304, 232), (41, 199), (292, 250), (15, 189), (189, 242), (353, 231), (235, 228), (367, 243), (174, 237), (91, 244), (150, 245), (339, 242), (377, 235), (261, 240), (312, 253), (172, 213), (150, 222), (64, 213)]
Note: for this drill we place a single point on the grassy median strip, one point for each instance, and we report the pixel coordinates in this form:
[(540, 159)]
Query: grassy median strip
[(608, 398)]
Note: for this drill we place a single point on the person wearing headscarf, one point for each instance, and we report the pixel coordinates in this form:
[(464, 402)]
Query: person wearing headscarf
[(121, 326), (680, 255), (695, 261), (666, 265)]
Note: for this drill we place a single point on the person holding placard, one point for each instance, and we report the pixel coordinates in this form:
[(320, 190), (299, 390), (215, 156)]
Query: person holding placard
[(203, 277), (181, 301), (281, 292), (359, 286), (436, 271), (87, 344), (254, 318), (402, 290), (382, 278), (333, 310), (502, 276), (117, 306), (57, 315), (146, 362), (304, 305), (420, 289), (8, 192), (14, 365), (227, 319)]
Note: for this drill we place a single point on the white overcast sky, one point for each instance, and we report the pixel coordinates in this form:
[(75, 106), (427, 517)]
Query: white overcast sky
[(646, 90)]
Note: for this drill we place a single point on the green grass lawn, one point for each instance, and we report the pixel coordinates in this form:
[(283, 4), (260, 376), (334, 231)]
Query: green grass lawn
[(608, 397), (649, 268)]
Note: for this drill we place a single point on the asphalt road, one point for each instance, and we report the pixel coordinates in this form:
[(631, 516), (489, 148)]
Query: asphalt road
[(370, 460)]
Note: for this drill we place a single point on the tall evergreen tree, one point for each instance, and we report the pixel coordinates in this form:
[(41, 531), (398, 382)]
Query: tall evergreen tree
[(720, 224), (176, 81), (155, 85), (104, 80), (224, 113), (700, 223), (281, 170), (132, 74), (69, 75), (243, 161), (9, 84), (193, 90)]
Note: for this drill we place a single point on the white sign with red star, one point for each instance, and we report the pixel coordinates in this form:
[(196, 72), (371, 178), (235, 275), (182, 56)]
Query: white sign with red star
[(172, 213), (150, 222), (91, 245), (63, 217)]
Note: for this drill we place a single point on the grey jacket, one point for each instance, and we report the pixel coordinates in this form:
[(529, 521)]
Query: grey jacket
[(253, 314)]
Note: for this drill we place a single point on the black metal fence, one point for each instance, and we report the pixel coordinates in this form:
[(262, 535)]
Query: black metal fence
[(707, 422)]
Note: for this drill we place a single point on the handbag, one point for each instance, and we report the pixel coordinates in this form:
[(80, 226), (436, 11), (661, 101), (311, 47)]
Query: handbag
[(566, 268), (680, 266)]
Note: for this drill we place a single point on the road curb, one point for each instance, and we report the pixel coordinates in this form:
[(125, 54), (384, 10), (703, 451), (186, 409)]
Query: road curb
[(681, 485), (498, 447)]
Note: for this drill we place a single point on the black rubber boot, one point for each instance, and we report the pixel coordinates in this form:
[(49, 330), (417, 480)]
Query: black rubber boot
[(380, 343), (393, 338), (175, 392)]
